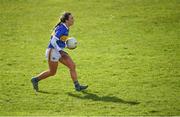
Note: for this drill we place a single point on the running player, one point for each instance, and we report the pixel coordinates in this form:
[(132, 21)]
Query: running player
[(55, 53)]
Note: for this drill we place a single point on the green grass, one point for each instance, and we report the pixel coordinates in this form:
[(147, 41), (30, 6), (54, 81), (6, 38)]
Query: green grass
[(128, 54)]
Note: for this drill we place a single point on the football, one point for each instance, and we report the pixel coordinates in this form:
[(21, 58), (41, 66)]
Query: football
[(71, 43)]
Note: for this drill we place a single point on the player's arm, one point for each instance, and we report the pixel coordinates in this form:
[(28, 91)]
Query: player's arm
[(61, 34), (63, 37)]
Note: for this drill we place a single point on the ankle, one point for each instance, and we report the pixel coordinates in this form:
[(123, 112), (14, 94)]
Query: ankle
[(37, 79), (76, 83)]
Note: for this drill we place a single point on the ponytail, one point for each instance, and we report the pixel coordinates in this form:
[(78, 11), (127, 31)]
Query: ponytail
[(57, 25), (63, 18)]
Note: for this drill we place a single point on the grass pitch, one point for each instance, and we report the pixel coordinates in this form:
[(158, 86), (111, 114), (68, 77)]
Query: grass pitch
[(128, 54)]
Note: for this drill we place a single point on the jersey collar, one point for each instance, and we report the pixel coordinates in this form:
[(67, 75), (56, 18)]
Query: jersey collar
[(65, 26)]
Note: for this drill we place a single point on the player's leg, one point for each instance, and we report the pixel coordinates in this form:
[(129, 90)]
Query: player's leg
[(50, 72), (67, 61), (53, 64)]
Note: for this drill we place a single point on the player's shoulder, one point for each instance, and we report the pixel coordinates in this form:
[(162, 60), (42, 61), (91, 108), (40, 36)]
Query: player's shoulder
[(61, 27), (61, 30)]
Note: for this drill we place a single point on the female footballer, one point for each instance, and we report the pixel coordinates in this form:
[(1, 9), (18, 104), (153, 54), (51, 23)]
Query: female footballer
[(55, 53)]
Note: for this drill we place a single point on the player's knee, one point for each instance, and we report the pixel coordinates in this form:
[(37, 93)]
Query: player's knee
[(72, 66), (52, 73)]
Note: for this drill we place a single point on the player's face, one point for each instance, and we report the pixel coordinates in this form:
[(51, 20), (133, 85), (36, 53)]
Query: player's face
[(70, 21)]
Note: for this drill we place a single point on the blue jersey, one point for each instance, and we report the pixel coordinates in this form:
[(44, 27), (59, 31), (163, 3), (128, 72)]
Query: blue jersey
[(58, 37)]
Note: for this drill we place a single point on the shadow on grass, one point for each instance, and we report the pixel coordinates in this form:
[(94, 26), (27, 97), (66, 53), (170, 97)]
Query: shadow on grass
[(46, 92), (95, 97)]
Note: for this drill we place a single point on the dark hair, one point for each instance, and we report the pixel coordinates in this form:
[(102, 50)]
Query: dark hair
[(63, 18)]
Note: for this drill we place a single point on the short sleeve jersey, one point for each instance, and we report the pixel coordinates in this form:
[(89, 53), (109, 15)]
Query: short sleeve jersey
[(58, 37)]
